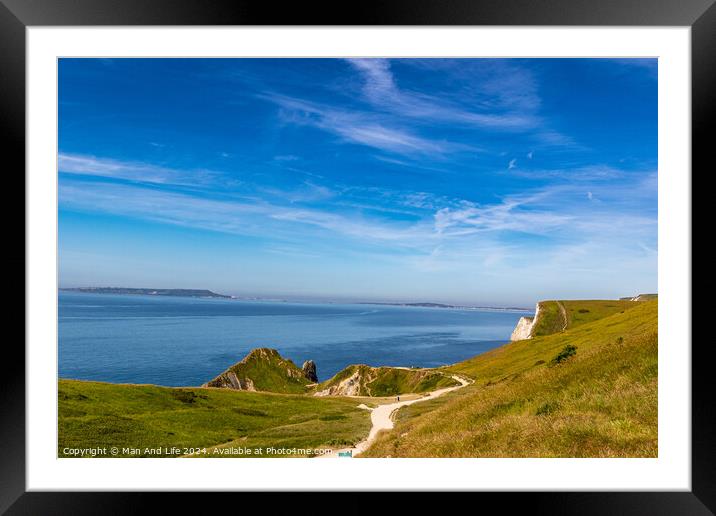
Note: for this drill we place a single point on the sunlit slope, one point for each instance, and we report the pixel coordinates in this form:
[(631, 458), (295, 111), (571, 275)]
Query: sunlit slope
[(519, 356), (363, 380), (556, 316), (263, 369), (93, 414), (536, 398)]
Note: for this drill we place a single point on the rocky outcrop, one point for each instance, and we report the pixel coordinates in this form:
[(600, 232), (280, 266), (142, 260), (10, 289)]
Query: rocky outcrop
[(525, 326), (309, 370), (229, 380), (264, 369), (347, 387), (240, 384)]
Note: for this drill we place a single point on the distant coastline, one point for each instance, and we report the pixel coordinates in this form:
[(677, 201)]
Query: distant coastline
[(171, 292), (458, 307), (204, 293)]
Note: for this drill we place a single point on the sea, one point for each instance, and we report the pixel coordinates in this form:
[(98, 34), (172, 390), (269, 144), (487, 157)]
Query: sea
[(177, 341)]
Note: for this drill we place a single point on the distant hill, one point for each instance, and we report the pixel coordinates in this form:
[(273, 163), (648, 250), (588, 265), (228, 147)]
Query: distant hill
[(443, 305), (425, 305), (175, 292), (263, 369)]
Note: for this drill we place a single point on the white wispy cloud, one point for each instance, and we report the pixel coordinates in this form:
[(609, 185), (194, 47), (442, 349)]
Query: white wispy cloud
[(509, 215), (496, 96), (437, 233), (558, 211), (361, 127), (512, 164), (235, 217), (379, 81), (385, 138), (550, 138), (306, 192), (580, 173), (381, 89), (451, 227), (414, 165), (132, 170)]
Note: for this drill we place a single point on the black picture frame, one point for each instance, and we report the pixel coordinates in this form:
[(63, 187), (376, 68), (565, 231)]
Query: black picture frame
[(17, 15)]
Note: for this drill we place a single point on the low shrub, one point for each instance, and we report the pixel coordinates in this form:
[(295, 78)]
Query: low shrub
[(568, 351)]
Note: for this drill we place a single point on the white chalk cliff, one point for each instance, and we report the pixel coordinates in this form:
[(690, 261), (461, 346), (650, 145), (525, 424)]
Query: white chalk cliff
[(524, 327)]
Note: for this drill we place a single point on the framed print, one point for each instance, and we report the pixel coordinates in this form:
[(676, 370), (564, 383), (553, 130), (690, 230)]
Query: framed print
[(410, 249)]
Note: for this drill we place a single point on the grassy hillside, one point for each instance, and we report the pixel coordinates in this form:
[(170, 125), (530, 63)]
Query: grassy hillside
[(556, 316), (263, 369), (93, 414), (590, 391), (581, 312), (551, 319), (363, 380)]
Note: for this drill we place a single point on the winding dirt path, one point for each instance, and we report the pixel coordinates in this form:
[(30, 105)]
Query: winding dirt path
[(382, 419), (564, 315)]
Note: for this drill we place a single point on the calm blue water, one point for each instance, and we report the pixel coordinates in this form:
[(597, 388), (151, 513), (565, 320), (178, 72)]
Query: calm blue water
[(186, 341)]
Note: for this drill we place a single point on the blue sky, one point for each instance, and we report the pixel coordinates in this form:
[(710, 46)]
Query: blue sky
[(478, 181)]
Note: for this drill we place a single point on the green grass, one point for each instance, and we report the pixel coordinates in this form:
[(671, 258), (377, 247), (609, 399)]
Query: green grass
[(589, 390), (93, 414), (555, 316), (600, 401), (389, 381), (268, 371), (582, 312), (551, 319)]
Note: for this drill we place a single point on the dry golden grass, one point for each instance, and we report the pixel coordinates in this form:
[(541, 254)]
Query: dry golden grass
[(601, 402)]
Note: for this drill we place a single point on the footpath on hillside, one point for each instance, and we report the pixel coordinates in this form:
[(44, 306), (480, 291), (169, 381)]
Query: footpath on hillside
[(381, 418)]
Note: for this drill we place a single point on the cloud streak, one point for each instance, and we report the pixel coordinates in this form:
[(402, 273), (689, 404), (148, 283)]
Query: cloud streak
[(559, 213), (242, 218), (132, 171), (381, 89), (361, 128), (588, 173)]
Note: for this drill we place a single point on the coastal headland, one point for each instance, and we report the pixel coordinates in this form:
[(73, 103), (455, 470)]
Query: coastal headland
[(580, 382)]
